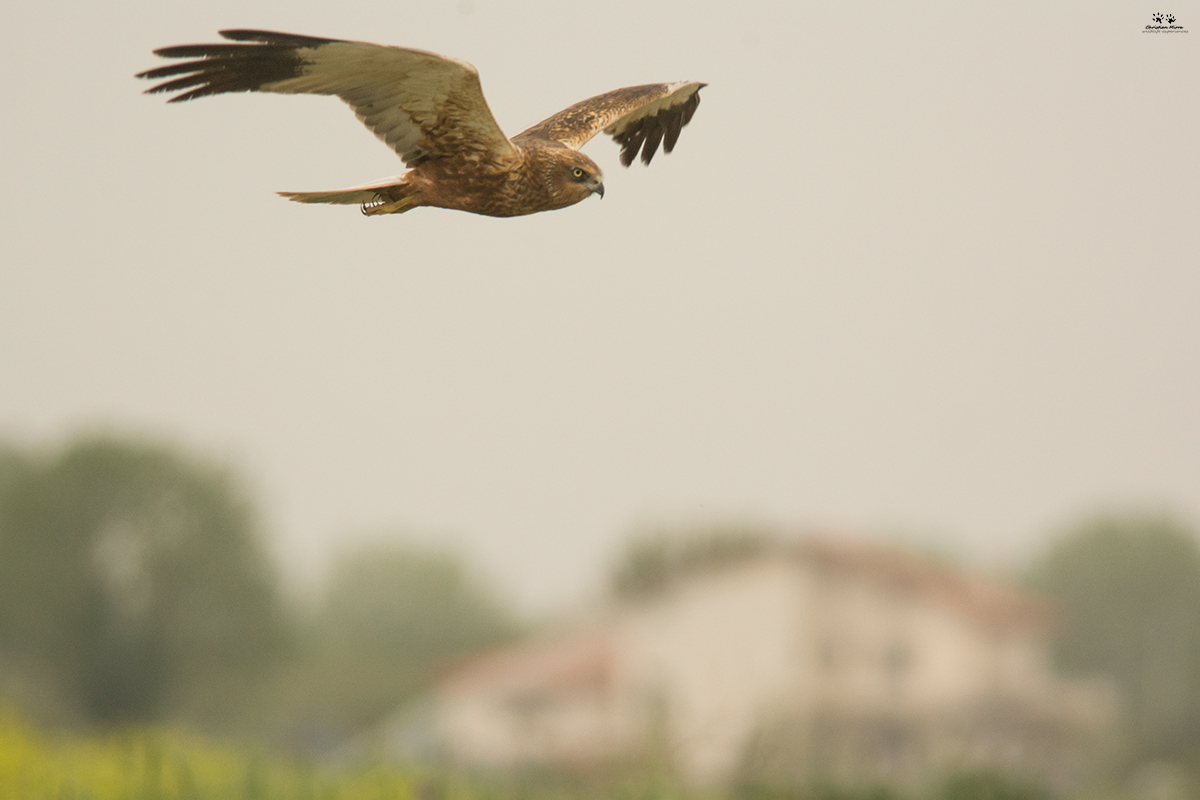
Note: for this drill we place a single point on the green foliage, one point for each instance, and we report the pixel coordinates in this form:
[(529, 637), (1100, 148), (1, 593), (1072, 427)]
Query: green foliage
[(965, 785), (986, 785), (390, 618), (755, 791), (651, 561), (159, 764), (133, 584), (1130, 588), (168, 765), (416, 605), (165, 765)]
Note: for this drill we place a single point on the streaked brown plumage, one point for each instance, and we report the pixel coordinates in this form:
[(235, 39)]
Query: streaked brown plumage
[(430, 109)]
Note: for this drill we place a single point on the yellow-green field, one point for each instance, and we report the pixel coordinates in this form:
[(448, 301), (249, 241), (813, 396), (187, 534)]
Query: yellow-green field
[(160, 764), (154, 765)]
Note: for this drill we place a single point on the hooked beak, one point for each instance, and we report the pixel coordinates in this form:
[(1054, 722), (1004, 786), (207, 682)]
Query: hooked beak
[(597, 187)]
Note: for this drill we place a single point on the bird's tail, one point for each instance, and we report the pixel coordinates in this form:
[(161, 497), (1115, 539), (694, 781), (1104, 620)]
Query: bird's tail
[(390, 196), (340, 196)]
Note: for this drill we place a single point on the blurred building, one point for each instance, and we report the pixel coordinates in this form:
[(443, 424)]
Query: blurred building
[(811, 661)]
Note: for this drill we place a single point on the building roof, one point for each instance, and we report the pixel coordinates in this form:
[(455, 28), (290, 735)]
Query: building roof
[(584, 657), (980, 596), (565, 662)]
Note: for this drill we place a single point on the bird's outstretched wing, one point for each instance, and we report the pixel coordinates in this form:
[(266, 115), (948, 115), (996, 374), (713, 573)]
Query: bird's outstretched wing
[(636, 117), (420, 104)]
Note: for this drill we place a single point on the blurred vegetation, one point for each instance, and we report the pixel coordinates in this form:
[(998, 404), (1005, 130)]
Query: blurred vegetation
[(150, 764), (160, 764), (1129, 585), (958, 785), (133, 585), (987, 785), (390, 619), (136, 588), (652, 560)]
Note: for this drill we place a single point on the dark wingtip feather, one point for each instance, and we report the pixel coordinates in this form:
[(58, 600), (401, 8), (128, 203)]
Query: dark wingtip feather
[(674, 124), (261, 58), (689, 108), (273, 37), (654, 135), (166, 71), (663, 128), (631, 142)]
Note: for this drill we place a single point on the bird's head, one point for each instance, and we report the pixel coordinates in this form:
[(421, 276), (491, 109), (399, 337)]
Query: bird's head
[(577, 176)]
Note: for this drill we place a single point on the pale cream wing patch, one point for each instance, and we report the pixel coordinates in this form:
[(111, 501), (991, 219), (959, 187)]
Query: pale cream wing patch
[(637, 117), (420, 104)]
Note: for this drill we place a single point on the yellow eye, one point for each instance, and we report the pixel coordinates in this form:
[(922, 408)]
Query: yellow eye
[(577, 172)]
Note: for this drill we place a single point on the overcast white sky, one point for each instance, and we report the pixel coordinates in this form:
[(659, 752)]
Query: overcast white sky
[(930, 268)]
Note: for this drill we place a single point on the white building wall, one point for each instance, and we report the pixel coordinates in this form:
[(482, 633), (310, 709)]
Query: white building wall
[(716, 652), (711, 658)]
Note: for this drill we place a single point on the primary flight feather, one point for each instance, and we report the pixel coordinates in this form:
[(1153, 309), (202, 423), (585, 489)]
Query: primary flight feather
[(430, 109)]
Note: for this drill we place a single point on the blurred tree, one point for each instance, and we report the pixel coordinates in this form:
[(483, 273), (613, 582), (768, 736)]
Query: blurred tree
[(1130, 588), (390, 618), (652, 560), (132, 581)]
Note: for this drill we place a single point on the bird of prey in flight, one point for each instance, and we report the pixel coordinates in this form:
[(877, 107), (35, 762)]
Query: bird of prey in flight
[(430, 110)]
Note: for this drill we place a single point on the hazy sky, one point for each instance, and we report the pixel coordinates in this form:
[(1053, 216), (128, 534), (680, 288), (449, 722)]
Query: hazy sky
[(928, 268)]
